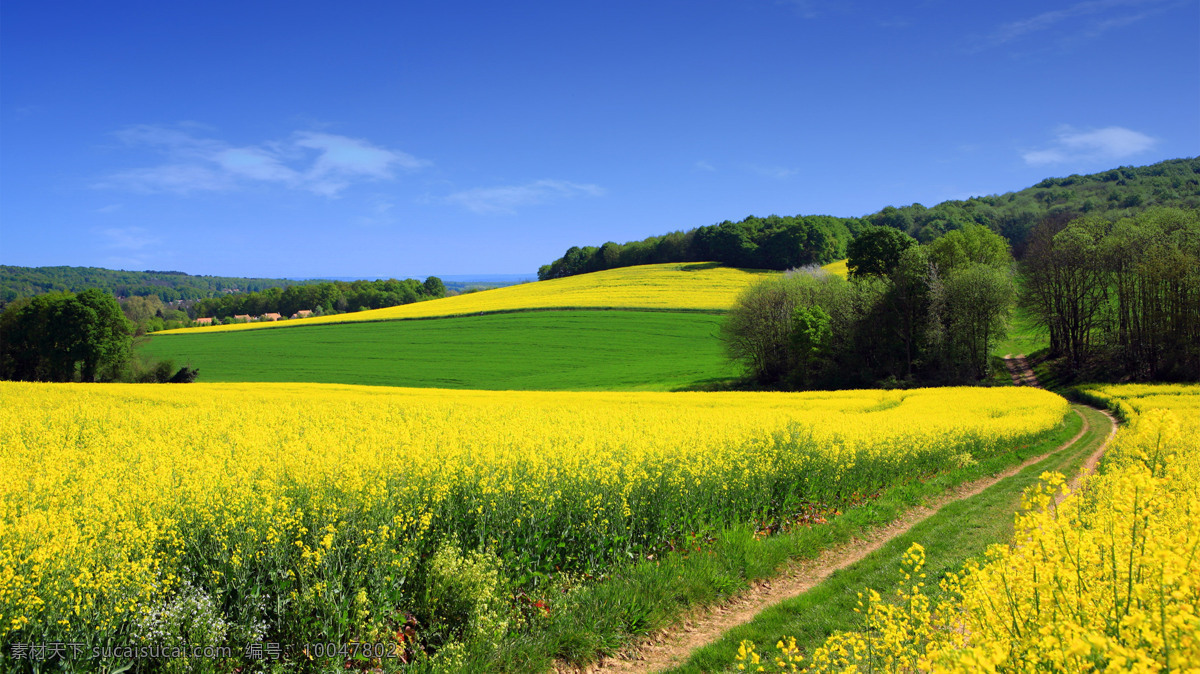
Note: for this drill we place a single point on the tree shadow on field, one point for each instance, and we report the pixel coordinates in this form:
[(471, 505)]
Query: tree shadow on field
[(719, 384), (699, 266)]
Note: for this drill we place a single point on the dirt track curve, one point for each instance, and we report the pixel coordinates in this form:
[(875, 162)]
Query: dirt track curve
[(673, 646)]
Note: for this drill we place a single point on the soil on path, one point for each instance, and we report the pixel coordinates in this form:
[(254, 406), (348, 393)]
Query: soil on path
[(1018, 368), (672, 646)]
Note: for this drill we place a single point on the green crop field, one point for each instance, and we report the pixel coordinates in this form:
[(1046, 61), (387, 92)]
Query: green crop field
[(547, 350)]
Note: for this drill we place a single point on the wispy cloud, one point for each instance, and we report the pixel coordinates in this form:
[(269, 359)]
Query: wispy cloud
[(705, 166), (1072, 145), (23, 112), (776, 172), (127, 238), (1082, 21), (177, 178), (322, 163), (128, 247), (507, 199), (341, 160), (808, 9), (379, 214)]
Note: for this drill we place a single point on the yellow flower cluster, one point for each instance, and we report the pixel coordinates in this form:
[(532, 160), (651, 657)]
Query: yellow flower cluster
[(299, 498), (1106, 580), (686, 286)]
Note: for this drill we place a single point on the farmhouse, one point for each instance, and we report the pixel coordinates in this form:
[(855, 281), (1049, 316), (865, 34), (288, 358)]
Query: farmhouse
[(271, 317)]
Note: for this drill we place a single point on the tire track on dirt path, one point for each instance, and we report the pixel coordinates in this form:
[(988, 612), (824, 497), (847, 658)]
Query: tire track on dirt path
[(674, 645), (1019, 370)]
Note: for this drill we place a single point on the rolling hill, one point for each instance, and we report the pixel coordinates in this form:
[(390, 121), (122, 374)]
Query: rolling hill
[(698, 286)]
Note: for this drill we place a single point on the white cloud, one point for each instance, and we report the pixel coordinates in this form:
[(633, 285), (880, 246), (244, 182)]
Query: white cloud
[(321, 163), (705, 166), (341, 159), (506, 199), (254, 163), (1107, 144)]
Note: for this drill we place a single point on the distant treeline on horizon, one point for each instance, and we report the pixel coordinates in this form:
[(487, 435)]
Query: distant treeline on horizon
[(168, 286), (777, 242), (327, 297)]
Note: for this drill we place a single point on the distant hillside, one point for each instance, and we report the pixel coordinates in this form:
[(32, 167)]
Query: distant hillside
[(782, 242), (1112, 194), (168, 286)]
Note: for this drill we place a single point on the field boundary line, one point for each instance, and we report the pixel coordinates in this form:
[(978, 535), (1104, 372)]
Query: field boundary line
[(673, 645), (281, 325)]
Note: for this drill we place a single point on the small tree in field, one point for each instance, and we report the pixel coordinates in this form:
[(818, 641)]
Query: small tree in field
[(758, 330)]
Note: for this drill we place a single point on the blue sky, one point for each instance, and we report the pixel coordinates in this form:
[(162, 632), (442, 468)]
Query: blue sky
[(402, 139)]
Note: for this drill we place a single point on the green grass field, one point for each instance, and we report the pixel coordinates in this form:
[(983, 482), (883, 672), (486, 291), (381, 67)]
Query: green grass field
[(547, 350)]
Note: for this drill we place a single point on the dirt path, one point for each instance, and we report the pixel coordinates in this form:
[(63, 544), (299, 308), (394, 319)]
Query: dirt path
[(673, 646), (1018, 368), (1093, 460)]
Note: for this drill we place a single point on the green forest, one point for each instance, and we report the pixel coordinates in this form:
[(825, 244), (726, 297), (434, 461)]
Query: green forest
[(167, 286), (786, 242), (176, 287), (754, 243)]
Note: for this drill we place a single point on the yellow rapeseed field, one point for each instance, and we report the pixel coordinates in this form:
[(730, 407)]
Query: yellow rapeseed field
[(837, 268), (1107, 580), (681, 286), (299, 511)]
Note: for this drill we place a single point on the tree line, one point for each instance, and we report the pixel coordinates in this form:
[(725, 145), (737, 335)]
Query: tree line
[(909, 314), (328, 297), (1118, 299), (168, 286), (773, 242), (62, 337)]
